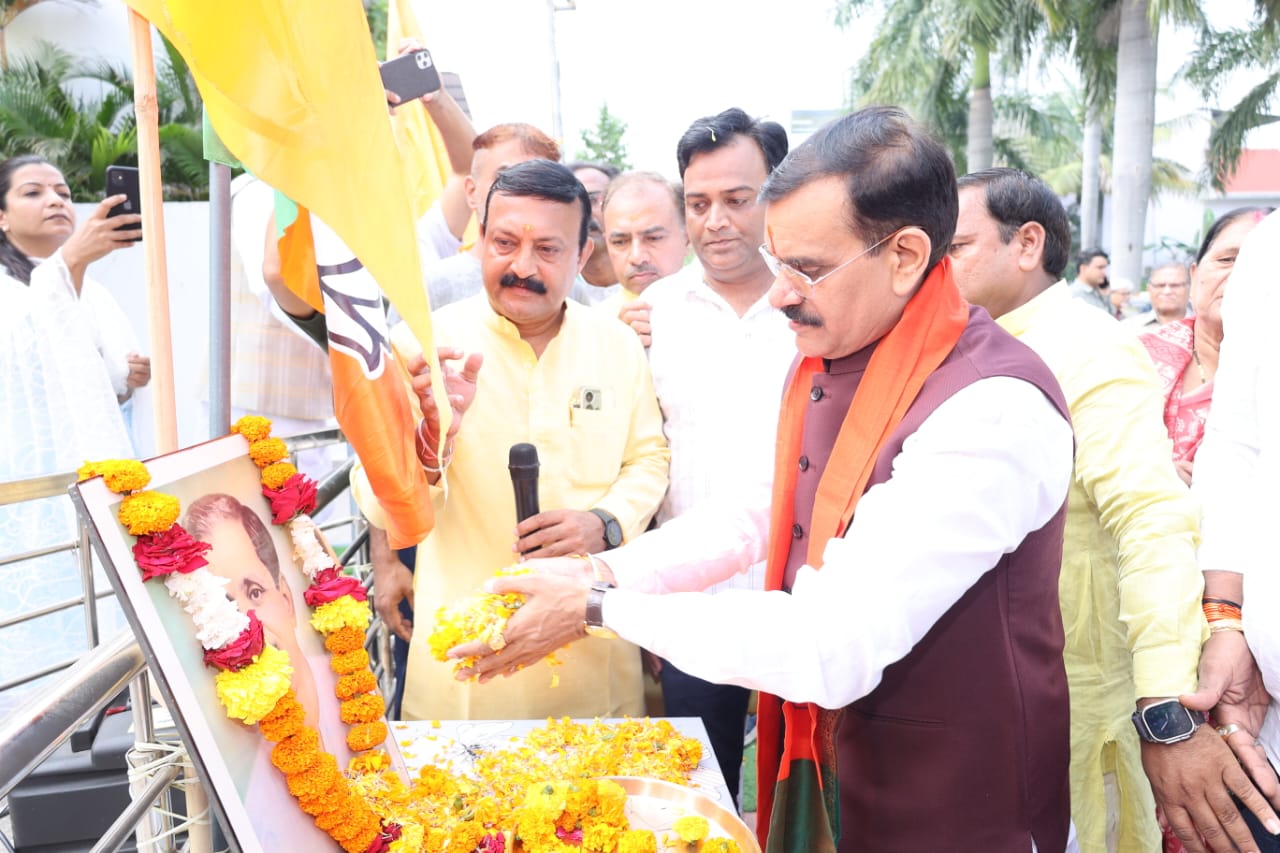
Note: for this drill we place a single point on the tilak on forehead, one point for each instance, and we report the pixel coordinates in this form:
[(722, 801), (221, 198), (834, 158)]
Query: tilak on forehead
[(528, 227)]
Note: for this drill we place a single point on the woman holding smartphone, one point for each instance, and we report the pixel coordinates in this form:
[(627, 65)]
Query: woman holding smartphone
[(67, 358)]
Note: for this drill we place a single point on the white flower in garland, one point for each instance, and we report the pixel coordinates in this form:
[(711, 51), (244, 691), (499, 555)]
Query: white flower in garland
[(203, 595), (307, 547)]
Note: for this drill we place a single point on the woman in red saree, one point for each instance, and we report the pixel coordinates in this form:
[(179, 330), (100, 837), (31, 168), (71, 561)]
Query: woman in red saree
[(1186, 352)]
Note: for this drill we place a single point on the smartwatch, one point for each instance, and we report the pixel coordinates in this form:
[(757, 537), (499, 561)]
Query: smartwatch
[(612, 529), (1167, 722), (594, 619)]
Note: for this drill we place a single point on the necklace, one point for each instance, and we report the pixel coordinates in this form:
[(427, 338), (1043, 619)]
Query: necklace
[(1195, 354)]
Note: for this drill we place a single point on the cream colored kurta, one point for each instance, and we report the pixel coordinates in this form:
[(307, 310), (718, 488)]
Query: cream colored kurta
[(1130, 586), (613, 457)]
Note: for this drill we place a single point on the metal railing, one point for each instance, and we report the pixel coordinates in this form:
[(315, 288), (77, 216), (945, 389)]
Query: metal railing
[(46, 719)]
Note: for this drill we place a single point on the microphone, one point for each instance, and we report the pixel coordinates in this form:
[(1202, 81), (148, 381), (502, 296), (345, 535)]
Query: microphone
[(523, 465)]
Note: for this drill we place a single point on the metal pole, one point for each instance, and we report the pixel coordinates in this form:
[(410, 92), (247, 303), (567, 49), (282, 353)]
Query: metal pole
[(34, 729), (123, 826), (144, 731), (219, 299), (557, 128), (86, 579)]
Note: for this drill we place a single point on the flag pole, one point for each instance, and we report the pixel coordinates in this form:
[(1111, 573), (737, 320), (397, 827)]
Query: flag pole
[(147, 116), (147, 111)]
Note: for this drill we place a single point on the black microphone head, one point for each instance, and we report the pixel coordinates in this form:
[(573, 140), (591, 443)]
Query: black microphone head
[(523, 460)]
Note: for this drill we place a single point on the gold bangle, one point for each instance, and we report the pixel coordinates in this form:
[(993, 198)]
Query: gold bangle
[(1226, 625)]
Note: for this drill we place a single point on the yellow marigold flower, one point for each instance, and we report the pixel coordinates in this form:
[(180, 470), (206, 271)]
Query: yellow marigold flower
[(720, 845), (267, 450), (340, 613), (362, 709), (369, 763), (252, 427), (121, 475), (277, 474), (637, 841), (410, 840), (148, 512), (251, 694), (691, 828)]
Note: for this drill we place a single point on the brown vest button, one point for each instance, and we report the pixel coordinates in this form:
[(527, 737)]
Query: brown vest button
[(804, 463), (815, 395), (796, 530)]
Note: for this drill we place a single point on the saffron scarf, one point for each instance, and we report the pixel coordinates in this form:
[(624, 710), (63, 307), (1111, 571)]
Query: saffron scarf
[(799, 800)]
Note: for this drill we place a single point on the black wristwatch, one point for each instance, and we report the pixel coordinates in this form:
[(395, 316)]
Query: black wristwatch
[(594, 618), (1167, 722), (612, 529)]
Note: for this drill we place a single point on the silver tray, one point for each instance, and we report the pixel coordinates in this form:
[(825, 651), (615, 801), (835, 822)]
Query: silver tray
[(655, 805)]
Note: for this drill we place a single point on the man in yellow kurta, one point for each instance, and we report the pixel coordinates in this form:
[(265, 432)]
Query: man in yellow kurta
[(1130, 587), (574, 383)]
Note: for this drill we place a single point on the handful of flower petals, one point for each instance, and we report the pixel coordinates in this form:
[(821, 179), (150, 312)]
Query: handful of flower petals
[(482, 616)]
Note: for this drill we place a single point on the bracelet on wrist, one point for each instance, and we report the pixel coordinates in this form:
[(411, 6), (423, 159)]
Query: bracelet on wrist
[(1228, 602), (424, 446), (1216, 610), (1217, 625)]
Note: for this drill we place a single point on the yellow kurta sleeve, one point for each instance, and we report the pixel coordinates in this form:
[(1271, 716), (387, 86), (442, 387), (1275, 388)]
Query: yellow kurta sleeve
[(1125, 470)]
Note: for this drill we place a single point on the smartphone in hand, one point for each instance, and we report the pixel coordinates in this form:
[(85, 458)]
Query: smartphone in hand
[(410, 76), (124, 179)]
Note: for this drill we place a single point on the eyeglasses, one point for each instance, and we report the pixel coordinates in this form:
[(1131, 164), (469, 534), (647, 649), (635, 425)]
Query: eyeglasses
[(802, 284)]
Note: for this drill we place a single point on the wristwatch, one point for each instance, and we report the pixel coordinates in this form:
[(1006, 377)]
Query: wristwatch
[(594, 619), (1167, 722), (612, 529)]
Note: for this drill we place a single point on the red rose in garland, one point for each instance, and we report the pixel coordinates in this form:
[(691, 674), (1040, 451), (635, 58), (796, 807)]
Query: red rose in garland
[(172, 550), (297, 495), (330, 585), (241, 651)]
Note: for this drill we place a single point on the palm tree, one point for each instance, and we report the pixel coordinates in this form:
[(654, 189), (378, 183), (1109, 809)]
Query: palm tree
[(40, 115), (1219, 53), (934, 57)]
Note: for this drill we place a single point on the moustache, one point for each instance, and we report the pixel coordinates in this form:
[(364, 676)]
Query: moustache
[(530, 284), (797, 314)]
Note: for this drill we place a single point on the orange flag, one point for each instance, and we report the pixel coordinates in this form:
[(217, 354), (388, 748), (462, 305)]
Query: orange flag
[(295, 95)]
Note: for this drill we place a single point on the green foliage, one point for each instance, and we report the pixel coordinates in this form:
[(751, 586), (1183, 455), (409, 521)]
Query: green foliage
[(40, 113), (604, 143), (1220, 53), (375, 11)]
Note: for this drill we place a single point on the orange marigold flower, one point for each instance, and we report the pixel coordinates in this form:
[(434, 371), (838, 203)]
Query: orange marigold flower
[(148, 512), (316, 779), (277, 474), (349, 662), (354, 683), (252, 427), (121, 475), (296, 752), (327, 800), (345, 639), (366, 736), (267, 450), (363, 709), (276, 728), (361, 841)]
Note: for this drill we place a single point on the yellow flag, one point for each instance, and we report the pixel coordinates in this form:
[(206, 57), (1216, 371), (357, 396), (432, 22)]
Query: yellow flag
[(293, 91), (422, 152)]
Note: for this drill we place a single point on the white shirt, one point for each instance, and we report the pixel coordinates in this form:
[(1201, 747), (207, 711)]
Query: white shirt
[(719, 380), (989, 466), (1238, 465)]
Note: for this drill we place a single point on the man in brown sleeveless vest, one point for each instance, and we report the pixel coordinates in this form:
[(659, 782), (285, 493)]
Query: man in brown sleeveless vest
[(1130, 587), (909, 649)]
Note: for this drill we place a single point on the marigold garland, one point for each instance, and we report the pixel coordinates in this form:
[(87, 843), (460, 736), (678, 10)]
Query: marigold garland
[(265, 451), (277, 474), (148, 512), (373, 810)]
